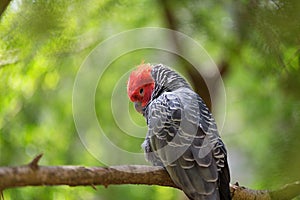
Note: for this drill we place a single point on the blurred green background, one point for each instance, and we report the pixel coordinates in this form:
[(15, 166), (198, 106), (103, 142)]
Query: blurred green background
[(254, 43)]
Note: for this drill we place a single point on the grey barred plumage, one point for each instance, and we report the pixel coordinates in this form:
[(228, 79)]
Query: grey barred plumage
[(182, 136)]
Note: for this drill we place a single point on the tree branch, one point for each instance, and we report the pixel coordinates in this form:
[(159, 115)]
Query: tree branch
[(3, 6), (199, 83), (36, 175)]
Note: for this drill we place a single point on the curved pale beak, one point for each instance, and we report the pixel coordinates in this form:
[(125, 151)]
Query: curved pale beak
[(138, 107)]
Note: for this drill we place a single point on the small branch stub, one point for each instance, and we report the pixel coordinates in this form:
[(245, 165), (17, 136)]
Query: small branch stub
[(34, 163)]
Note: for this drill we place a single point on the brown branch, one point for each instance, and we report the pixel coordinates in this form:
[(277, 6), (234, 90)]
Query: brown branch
[(3, 6), (200, 83), (36, 175), (34, 163), (196, 78)]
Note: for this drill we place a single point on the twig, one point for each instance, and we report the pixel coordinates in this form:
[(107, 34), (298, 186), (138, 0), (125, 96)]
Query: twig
[(34, 163)]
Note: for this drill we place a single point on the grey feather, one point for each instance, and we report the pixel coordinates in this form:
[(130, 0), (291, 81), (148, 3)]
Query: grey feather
[(182, 136)]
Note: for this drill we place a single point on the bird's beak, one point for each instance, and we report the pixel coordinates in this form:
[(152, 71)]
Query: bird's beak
[(138, 107)]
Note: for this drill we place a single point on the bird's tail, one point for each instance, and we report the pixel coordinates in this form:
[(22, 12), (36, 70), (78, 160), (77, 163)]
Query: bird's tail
[(224, 178)]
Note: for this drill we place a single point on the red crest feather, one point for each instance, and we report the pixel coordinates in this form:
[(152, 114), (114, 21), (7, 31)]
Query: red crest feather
[(139, 77)]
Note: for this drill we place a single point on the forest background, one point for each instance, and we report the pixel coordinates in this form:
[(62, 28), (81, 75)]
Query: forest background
[(255, 45)]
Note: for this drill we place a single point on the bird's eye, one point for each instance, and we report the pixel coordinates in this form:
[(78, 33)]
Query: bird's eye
[(141, 91)]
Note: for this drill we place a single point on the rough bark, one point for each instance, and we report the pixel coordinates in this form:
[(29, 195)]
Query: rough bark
[(33, 174)]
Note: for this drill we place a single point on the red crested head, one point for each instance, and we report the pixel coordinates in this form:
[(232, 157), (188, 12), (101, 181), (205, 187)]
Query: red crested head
[(140, 86)]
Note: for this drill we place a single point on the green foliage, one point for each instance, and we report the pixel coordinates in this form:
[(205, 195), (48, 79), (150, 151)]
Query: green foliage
[(44, 43)]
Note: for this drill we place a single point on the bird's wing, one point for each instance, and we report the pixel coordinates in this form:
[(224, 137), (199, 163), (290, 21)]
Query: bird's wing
[(184, 141)]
